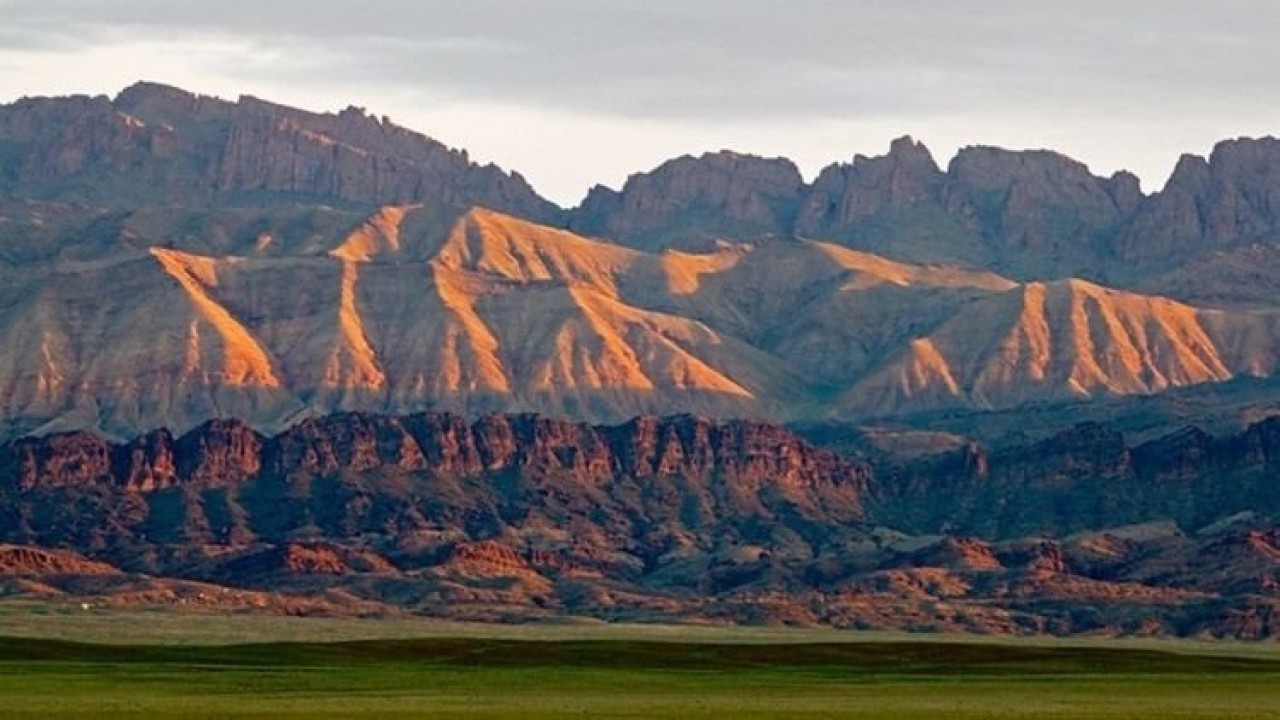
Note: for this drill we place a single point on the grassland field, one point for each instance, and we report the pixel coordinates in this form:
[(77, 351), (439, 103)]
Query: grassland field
[(60, 661)]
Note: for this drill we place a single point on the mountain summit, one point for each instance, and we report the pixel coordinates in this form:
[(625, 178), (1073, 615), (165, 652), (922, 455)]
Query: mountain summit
[(155, 144)]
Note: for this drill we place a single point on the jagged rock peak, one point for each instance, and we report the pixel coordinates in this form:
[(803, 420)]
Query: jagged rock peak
[(227, 452), (902, 149), (694, 200), (844, 194), (145, 92), (160, 145), (1229, 199)]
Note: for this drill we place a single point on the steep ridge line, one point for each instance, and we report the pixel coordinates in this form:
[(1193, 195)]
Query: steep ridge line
[(354, 362), (245, 362)]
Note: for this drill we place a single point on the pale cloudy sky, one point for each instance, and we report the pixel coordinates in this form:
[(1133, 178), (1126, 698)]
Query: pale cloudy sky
[(575, 92)]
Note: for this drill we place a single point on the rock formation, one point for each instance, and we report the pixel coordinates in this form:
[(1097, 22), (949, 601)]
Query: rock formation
[(1084, 478), (524, 517), (1228, 200), (156, 144), (691, 202)]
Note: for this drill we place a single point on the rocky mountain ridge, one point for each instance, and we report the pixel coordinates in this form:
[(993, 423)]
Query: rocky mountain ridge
[(678, 518), (1033, 215), (155, 145)]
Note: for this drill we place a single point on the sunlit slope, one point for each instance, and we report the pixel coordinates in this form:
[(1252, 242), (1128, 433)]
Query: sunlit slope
[(1062, 340), (136, 343), (435, 307)]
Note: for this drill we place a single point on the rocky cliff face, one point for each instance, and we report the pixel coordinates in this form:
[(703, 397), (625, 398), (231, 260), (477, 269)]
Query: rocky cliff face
[(155, 144), (344, 474), (1038, 203), (1086, 478), (172, 260), (524, 517), (1033, 213), (845, 194), (692, 202), (1030, 214), (1228, 200)]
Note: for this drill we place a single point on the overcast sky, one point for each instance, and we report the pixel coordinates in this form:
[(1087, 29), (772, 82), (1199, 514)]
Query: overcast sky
[(577, 92)]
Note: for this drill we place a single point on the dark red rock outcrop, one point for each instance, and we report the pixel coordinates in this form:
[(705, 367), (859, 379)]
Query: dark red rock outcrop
[(219, 452), (525, 516), (1085, 477), (36, 562), (302, 558), (354, 473), (67, 459), (147, 463), (956, 553)]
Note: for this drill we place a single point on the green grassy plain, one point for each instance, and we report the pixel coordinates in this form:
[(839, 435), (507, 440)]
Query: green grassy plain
[(141, 664)]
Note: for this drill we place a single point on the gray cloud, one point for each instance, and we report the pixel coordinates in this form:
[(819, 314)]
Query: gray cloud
[(725, 59)]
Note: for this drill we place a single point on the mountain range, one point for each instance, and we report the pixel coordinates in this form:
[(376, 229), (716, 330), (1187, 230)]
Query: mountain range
[(168, 258), (253, 356)]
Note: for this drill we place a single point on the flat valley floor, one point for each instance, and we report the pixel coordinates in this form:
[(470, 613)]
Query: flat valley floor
[(68, 662)]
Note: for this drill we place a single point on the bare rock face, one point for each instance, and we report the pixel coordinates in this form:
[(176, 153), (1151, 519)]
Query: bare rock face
[(152, 248), (353, 442), (1090, 450), (148, 462), (1260, 444), (395, 328), (691, 202), (1030, 213), (160, 144), (62, 460), (522, 516), (1181, 455), (1086, 477), (1035, 201), (223, 453), (488, 558), (303, 558), (219, 451), (473, 311), (955, 553), (1037, 557), (502, 493), (1230, 198), (845, 194)]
